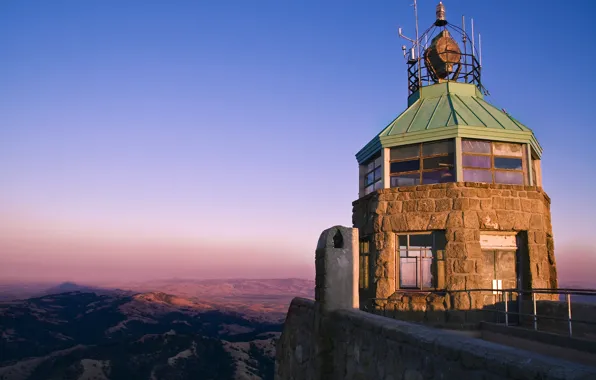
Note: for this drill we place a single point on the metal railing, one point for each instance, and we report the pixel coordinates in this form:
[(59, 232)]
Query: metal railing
[(517, 298)]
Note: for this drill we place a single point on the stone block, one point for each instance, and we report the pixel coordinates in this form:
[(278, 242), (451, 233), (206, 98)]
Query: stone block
[(437, 193), (483, 193), (464, 235), (474, 204), (444, 204), (453, 193), (512, 204), (385, 287), (526, 205), (461, 301), (536, 222), (537, 206), (381, 208), (461, 204), (464, 266), (417, 221), (471, 219), (438, 221), (498, 203), (473, 249), (402, 196), (539, 237), (521, 221), (426, 205), (394, 207), (455, 219), (420, 194), (395, 223), (506, 219), (455, 250), (488, 220), (486, 204), (410, 206)]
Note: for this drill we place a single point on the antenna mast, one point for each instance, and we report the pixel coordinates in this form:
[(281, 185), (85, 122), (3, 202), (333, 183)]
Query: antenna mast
[(417, 44)]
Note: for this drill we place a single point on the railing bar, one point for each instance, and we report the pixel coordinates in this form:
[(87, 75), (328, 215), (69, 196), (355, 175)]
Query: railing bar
[(535, 318), (568, 296)]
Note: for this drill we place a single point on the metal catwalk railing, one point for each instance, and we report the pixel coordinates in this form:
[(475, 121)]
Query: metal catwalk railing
[(507, 300)]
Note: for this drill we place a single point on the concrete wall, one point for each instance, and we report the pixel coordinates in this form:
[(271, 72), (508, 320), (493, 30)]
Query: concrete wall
[(352, 344)]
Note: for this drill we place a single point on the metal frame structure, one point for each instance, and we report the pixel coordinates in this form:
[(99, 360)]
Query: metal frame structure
[(468, 68)]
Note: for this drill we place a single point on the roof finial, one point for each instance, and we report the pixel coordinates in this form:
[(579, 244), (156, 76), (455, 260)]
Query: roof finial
[(441, 15)]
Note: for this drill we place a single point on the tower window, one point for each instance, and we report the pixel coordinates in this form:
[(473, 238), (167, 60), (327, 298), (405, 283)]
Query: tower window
[(373, 175), (424, 163), (421, 261), (364, 263), (493, 162)]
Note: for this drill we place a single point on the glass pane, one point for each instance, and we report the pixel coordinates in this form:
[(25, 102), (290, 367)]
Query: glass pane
[(438, 176), (438, 162), (407, 273), (368, 190), (476, 161), (511, 178), (370, 178), (426, 272), (506, 149), (508, 163), (405, 180), (475, 175), (378, 185), (405, 166), (402, 152), (403, 252), (441, 147), (440, 240), (421, 241), (377, 173), (402, 241), (475, 146), (378, 162)]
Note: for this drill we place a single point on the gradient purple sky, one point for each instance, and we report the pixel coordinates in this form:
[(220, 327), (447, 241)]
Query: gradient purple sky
[(208, 139)]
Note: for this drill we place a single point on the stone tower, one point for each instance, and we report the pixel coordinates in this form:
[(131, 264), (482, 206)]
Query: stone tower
[(450, 203)]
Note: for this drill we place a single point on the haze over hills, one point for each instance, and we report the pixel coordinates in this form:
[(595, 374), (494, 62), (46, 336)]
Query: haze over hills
[(214, 329)]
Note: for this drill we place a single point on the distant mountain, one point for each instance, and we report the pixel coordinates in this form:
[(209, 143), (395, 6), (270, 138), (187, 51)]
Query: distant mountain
[(101, 335)]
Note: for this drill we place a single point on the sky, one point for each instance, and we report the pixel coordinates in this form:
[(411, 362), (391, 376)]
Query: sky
[(216, 138)]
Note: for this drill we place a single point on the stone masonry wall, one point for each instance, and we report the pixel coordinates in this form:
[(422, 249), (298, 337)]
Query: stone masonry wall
[(360, 345), (463, 211)]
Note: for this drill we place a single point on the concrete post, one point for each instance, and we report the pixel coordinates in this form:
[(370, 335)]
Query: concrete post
[(336, 263)]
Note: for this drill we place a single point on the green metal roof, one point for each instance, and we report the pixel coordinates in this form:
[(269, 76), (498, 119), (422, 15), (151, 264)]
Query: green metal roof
[(448, 110)]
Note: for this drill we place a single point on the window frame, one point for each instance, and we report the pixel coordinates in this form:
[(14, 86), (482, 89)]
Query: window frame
[(377, 181), (364, 263), (437, 256), (421, 158), (493, 170)]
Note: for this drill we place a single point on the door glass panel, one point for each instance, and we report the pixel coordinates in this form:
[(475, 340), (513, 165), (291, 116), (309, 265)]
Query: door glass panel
[(421, 241), (407, 272), (405, 166), (438, 176), (476, 161), (508, 163), (438, 162), (475, 146), (473, 175), (510, 178), (405, 180), (426, 271), (404, 152), (441, 147)]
